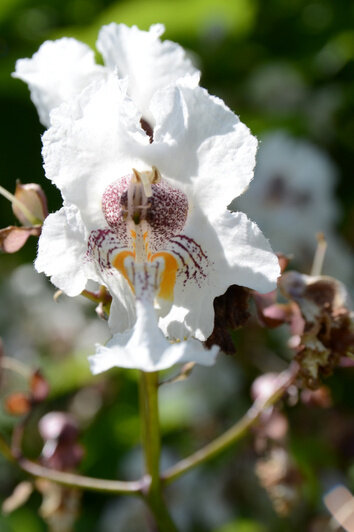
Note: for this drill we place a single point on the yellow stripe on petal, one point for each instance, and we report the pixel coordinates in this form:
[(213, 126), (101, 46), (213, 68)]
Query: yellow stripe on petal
[(118, 263), (168, 277)]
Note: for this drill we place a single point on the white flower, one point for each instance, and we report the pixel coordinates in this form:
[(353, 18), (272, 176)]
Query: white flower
[(146, 162), (61, 69), (149, 219), (292, 199)]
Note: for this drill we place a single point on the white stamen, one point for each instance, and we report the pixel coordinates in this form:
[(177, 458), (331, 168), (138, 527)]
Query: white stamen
[(147, 178)]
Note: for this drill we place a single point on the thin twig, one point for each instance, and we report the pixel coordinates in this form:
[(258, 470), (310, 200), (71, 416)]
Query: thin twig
[(73, 480), (79, 481), (236, 432), (320, 253)]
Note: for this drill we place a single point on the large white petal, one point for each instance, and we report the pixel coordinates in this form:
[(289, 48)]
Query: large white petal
[(200, 142), (148, 63), (243, 255), (61, 254), (56, 73), (122, 313), (238, 253), (91, 144), (145, 347)]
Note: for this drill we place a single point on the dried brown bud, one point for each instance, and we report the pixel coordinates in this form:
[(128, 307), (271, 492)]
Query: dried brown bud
[(39, 387), (18, 404), (328, 326)]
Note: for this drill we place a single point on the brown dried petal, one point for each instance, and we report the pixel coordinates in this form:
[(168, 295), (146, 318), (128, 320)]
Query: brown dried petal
[(341, 338), (231, 313), (148, 129), (13, 238), (34, 199), (18, 404)]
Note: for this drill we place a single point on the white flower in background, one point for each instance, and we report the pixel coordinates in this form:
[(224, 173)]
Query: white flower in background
[(292, 198), (61, 69), (145, 183)]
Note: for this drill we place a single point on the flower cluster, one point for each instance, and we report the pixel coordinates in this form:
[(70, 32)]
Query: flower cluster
[(146, 162)]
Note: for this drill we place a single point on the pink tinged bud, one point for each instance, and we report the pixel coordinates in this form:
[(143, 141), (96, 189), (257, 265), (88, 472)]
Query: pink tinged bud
[(32, 197), (13, 238), (61, 451), (58, 425), (264, 386)]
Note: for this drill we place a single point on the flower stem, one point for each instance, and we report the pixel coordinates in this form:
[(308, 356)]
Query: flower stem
[(152, 446), (79, 481), (236, 432)]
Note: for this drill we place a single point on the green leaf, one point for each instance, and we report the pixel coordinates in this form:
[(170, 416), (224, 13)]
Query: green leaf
[(242, 525), (182, 18)]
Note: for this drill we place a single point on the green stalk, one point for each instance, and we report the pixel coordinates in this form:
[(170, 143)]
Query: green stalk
[(236, 432), (152, 447)]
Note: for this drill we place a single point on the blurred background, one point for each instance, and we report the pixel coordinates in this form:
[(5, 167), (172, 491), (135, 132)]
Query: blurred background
[(286, 67)]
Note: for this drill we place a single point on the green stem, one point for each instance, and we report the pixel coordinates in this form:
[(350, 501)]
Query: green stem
[(152, 447), (80, 481), (236, 432)]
